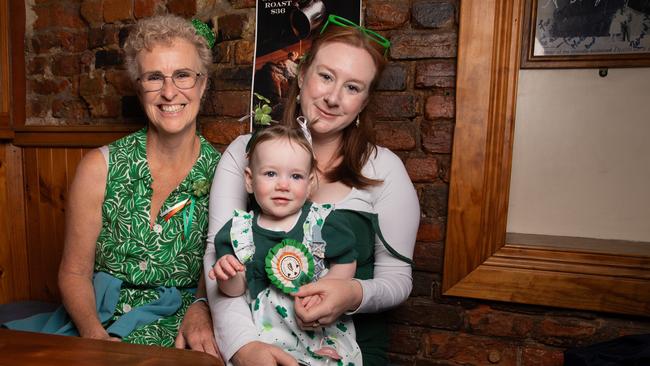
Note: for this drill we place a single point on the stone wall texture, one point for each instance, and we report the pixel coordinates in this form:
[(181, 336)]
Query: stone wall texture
[(75, 77)]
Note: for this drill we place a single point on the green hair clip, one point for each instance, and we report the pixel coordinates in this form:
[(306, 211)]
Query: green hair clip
[(204, 31)]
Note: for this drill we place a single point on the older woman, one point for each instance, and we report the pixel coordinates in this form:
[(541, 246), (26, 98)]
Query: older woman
[(331, 91), (136, 219)]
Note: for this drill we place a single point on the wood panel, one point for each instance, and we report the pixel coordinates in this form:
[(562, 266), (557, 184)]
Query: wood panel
[(71, 136), (14, 278), (479, 261), (49, 172)]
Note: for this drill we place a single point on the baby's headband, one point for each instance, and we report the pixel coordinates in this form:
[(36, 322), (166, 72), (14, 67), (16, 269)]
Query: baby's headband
[(204, 31)]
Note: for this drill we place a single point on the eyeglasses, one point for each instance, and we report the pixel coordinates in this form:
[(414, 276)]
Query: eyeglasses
[(182, 79), (340, 21)]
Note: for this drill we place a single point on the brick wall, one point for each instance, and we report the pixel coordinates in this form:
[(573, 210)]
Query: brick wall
[(75, 77)]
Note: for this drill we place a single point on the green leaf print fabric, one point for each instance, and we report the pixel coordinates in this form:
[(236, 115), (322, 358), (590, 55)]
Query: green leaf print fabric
[(145, 257)]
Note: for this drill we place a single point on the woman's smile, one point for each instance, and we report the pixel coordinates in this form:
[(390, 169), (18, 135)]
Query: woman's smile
[(171, 108)]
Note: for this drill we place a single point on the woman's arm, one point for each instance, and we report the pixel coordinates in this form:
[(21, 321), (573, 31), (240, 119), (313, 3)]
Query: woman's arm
[(397, 205), (83, 222), (195, 330)]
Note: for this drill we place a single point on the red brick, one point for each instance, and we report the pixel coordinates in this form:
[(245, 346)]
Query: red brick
[(444, 166), (91, 11), (428, 257), (47, 86), (405, 340), (440, 106), (395, 136), (222, 132), (628, 327), (423, 283), (561, 327), (244, 52), (231, 78), (227, 103), (423, 44), (66, 65), (117, 10), (120, 81), (431, 231), (147, 8), (73, 109), (86, 59), (57, 14), (387, 14), (542, 357), (231, 26), (241, 4), (422, 169), (91, 85), (66, 40), (436, 74), (567, 332), (393, 106), (37, 65), (437, 137), (37, 107), (433, 200), (485, 321), (465, 349), (184, 8), (433, 14), (106, 107), (222, 53), (427, 313)]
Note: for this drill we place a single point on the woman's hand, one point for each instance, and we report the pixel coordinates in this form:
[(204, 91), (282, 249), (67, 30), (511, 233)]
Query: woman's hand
[(337, 296), (100, 334), (262, 354), (195, 331)]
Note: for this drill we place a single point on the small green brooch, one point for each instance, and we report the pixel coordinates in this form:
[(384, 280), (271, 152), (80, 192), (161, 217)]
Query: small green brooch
[(200, 187)]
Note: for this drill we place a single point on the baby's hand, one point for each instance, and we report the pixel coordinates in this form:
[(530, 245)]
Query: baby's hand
[(226, 268), (309, 301)]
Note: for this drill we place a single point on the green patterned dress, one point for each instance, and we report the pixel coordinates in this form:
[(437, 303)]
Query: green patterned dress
[(147, 258)]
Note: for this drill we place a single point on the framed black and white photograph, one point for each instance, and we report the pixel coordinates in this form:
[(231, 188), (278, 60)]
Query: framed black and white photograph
[(586, 33)]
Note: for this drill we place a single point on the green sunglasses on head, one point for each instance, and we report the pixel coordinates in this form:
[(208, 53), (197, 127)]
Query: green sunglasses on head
[(340, 21)]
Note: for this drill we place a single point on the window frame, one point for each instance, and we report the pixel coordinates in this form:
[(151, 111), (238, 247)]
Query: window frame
[(480, 262)]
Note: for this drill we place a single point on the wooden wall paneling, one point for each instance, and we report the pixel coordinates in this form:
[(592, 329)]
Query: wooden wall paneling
[(49, 172), (32, 220), (14, 280), (71, 136), (45, 284), (6, 287), (19, 259)]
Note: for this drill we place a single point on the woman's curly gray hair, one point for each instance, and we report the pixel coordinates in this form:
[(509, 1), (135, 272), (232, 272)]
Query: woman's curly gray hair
[(163, 29)]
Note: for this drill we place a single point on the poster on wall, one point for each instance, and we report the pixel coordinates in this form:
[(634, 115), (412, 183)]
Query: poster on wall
[(283, 34)]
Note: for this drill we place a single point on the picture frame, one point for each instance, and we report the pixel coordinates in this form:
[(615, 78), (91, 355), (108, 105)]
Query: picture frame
[(585, 34)]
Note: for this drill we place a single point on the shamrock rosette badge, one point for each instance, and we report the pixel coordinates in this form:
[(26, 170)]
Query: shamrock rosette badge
[(289, 265)]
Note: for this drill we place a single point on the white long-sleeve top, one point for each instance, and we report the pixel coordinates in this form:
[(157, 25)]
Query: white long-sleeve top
[(395, 201)]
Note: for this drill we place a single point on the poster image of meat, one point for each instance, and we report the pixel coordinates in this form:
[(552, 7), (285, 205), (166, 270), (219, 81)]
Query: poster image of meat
[(283, 34)]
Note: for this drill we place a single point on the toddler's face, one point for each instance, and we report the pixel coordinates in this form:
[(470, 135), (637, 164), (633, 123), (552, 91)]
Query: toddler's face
[(280, 177)]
